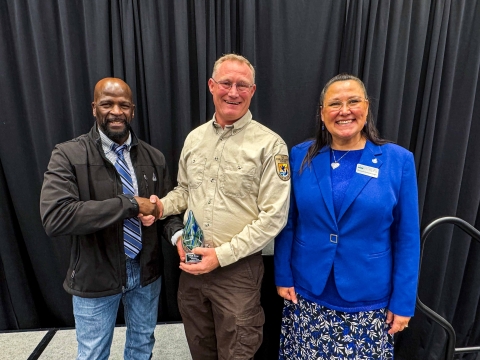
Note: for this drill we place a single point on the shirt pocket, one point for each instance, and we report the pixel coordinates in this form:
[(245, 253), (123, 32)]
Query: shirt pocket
[(236, 179), (195, 171)]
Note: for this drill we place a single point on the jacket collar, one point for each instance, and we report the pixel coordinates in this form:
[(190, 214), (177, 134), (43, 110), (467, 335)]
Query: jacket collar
[(94, 136), (371, 156)]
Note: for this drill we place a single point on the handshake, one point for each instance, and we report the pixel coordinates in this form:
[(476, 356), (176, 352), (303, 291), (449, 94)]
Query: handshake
[(149, 210)]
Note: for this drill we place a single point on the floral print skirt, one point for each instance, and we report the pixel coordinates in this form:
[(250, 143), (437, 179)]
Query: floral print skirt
[(312, 331)]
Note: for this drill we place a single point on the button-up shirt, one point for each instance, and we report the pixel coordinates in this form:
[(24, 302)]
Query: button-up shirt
[(107, 146), (236, 180)]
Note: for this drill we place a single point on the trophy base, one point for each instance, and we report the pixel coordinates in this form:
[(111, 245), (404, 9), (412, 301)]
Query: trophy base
[(191, 258)]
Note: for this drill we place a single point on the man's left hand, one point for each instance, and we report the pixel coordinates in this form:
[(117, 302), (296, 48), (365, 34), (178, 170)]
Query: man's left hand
[(209, 262)]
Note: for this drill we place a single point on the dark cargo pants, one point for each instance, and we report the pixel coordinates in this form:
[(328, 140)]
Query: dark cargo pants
[(221, 310)]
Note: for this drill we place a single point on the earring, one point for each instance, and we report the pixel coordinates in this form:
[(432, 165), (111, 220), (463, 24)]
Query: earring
[(323, 126)]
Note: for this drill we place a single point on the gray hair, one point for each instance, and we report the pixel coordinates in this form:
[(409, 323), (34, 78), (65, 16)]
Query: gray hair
[(232, 57)]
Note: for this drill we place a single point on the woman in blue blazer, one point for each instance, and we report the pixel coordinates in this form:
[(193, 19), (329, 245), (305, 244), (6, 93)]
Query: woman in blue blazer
[(347, 261)]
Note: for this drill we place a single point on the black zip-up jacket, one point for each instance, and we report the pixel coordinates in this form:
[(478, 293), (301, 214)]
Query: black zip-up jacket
[(82, 197)]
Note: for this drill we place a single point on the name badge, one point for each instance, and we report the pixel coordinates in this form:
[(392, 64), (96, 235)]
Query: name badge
[(367, 170)]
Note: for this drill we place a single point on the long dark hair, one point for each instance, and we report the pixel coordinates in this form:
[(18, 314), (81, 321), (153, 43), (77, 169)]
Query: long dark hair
[(323, 137)]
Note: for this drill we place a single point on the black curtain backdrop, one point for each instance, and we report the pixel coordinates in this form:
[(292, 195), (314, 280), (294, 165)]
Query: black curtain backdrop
[(420, 61)]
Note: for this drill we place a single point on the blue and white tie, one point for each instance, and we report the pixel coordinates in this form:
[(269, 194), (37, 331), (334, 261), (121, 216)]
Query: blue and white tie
[(132, 238)]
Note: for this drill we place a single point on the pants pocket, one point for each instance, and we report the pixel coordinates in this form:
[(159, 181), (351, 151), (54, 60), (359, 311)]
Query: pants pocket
[(249, 335)]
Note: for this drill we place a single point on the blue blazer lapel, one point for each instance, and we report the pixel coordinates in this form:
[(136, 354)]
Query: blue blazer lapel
[(321, 165), (370, 157)]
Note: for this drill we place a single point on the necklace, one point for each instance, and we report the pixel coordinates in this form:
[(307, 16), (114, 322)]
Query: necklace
[(336, 163)]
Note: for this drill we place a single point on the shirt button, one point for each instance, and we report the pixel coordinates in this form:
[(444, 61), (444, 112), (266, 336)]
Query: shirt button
[(207, 225), (209, 201), (216, 158), (212, 180)]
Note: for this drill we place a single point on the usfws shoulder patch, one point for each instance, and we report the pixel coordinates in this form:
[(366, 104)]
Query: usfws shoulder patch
[(283, 167)]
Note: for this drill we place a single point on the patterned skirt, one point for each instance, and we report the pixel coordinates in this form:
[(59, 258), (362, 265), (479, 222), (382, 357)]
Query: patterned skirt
[(312, 331)]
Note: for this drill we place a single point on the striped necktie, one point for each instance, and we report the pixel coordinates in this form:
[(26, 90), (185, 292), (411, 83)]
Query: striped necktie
[(132, 238)]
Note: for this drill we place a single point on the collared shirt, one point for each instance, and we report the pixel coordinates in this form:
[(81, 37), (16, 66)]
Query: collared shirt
[(112, 155), (236, 180)]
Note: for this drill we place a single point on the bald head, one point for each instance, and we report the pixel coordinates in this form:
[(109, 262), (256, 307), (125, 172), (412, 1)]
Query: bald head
[(112, 85), (113, 108)]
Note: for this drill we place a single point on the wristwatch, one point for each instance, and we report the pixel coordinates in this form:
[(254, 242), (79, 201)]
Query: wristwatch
[(133, 201)]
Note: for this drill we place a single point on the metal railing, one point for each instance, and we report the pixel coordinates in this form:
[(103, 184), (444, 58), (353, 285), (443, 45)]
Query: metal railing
[(451, 338)]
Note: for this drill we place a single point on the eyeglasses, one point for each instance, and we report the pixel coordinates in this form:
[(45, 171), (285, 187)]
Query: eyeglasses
[(351, 104), (227, 85)]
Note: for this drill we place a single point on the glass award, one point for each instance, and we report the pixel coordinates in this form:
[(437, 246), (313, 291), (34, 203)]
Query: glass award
[(192, 238)]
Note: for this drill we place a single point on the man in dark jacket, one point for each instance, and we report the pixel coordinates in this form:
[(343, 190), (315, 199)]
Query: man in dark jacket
[(95, 189)]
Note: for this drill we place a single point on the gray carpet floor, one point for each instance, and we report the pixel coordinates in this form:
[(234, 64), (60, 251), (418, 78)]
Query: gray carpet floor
[(170, 344)]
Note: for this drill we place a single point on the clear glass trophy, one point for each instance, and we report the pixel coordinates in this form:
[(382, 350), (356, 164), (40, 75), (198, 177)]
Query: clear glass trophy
[(192, 238)]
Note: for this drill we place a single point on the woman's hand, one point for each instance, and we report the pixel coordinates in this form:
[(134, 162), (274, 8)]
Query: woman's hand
[(397, 322), (287, 293)]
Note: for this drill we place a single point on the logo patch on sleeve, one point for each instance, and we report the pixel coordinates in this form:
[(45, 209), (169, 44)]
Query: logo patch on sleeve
[(282, 166)]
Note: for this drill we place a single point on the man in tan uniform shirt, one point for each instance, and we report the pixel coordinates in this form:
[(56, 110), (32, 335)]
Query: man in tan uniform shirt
[(235, 177)]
